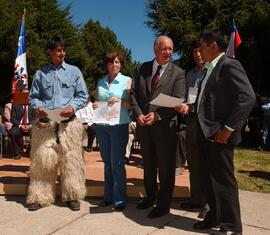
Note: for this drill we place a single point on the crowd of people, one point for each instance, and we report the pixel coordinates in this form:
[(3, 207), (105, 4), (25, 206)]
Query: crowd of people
[(202, 130)]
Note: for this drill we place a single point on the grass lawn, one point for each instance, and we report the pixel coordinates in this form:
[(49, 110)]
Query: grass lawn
[(252, 170)]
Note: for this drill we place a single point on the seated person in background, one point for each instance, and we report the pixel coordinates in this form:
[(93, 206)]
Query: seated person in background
[(131, 137), (91, 134), (7, 114), (85, 115), (22, 116)]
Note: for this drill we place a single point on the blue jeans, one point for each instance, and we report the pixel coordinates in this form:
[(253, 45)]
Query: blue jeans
[(112, 142), (2, 129)]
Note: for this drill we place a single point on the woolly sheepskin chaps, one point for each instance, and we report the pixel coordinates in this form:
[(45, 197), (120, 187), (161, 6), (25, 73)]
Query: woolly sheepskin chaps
[(48, 158)]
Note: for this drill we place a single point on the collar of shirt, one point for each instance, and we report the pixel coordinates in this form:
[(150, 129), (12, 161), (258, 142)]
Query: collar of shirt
[(114, 80), (211, 65), (63, 66), (155, 66)]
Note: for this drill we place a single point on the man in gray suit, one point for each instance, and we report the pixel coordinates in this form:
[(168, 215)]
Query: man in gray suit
[(157, 126), (224, 101)]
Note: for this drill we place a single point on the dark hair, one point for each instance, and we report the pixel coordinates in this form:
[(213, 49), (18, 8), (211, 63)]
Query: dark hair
[(214, 35), (194, 44), (54, 42), (110, 57)]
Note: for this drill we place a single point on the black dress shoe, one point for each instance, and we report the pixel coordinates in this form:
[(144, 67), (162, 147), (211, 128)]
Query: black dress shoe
[(73, 205), (157, 212), (119, 208), (232, 233), (223, 231), (34, 206), (226, 233), (190, 206), (104, 203), (144, 204), (204, 225)]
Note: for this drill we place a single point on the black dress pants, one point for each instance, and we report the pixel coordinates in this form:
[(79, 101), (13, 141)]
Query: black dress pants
[(159, 157), (195, 163), (16, 135), (219, 183)]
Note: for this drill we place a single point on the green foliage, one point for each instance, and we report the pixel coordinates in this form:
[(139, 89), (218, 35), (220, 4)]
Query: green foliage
[(183, 20), (252, 170), (44, 18), (98, 42)]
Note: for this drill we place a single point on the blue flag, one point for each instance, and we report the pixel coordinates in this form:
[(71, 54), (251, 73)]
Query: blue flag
[(20, 80), (22, 40)]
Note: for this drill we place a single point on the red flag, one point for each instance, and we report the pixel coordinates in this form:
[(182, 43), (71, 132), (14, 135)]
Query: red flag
[(235, 41)]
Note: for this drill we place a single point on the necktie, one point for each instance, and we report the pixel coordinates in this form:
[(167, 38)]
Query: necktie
[(200, 80), (24, 116), (199, 84), (155, 79)]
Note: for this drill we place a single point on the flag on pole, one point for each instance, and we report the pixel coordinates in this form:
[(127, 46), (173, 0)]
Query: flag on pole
[(235, 41), (20, 79)]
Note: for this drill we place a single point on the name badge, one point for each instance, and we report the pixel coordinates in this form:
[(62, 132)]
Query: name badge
[(192, 95)]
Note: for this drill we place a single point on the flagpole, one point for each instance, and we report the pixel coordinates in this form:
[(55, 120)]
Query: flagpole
[(20, 79)]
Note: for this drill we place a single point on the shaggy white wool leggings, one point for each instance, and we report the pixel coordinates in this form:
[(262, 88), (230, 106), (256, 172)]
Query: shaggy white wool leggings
[(48, 158)]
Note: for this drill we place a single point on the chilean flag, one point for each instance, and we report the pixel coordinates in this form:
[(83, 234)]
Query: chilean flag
[(20, 81), (235, 41)]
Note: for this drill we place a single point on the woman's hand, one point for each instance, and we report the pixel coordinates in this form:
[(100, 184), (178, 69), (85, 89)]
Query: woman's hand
[(95, 105), (113, 100)]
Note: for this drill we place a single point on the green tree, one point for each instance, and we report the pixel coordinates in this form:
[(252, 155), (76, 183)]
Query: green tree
[(86, 45), (43, 19), (98, 42), (183, 20)]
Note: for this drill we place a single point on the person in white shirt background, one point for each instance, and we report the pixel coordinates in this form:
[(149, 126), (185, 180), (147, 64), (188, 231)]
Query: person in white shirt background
[(86, 114)]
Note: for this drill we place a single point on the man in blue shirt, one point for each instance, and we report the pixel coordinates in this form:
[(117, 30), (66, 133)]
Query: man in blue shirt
[(57, 145)]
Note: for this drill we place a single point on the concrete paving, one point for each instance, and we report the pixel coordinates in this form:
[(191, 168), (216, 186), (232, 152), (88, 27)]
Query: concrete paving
[(56, 219), (14, 177)]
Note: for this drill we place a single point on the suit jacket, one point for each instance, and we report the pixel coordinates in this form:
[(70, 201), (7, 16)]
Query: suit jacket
[(172, 82), (17, 113), (227, 99)]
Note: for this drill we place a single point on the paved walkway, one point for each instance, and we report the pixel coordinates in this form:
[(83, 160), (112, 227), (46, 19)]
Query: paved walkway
[(56, 219), (14, 177)]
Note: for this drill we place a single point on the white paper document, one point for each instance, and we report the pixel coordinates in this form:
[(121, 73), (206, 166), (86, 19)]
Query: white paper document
[(192, 95), (166, 101), (107, 114), (54, 115)]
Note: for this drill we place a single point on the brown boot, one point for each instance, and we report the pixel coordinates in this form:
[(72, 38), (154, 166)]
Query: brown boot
[(34, 206)]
